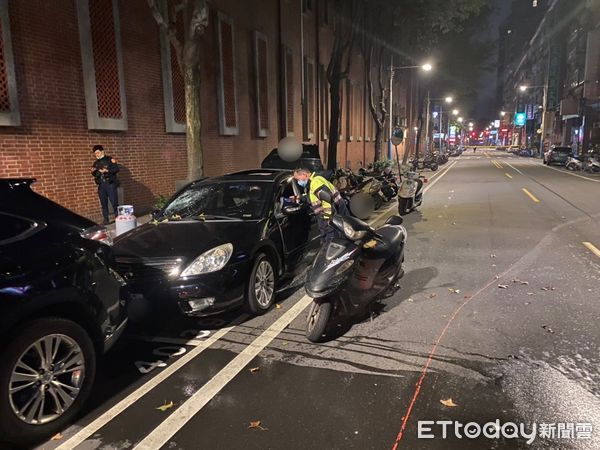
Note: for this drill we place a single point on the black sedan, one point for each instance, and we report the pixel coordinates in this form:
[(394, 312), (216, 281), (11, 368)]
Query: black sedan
[(61, 304), (218, 244)]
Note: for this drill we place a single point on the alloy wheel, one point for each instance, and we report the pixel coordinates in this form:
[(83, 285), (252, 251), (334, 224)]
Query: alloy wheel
[(46, 379), (264, 284)]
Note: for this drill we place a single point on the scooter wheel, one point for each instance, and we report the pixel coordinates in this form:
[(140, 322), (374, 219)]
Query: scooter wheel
[(434, 167), (318, 318), (403, 206)]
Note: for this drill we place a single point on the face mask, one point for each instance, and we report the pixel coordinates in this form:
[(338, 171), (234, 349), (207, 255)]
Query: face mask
[(303, 183), (100, 157)]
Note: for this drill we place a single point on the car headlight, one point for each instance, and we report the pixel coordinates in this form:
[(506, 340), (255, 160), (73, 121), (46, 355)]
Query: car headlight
[(352, 234), (209, 261)]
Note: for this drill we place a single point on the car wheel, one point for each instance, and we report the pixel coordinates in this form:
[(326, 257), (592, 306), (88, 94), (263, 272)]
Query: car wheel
[(46, 375), (261, 286)]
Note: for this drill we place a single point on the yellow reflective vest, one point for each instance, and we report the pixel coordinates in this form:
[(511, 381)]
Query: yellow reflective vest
[(320, 207)]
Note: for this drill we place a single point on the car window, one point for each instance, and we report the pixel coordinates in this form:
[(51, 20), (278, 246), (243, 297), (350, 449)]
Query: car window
[(235, 199), (14, 228)]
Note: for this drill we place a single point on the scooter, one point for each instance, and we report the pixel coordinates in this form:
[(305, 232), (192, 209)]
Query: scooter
[(410, 195), (591, 164), (353, 271), (574, 163)]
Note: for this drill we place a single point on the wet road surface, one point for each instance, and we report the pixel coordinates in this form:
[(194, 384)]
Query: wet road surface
[(498, 311)]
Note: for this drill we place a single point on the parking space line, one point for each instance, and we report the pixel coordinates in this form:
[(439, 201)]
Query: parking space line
[(113, 412), (508, 175), (530, 195), (569, 173), (591, 247)]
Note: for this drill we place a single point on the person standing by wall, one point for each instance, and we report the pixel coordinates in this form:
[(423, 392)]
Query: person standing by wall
[(104, 171)]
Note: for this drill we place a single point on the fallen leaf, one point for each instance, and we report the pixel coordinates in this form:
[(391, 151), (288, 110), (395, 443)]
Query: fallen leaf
[(492, 256), (530, 293), (254, 369), (56, 437), (496, 277), (467, 296), (432, 295), (548, 329), (449, 403), (547, 288), (521, 282), (277, 305), (454, 291), (257, 425), (503, 286), (166, 406), (409, 300)]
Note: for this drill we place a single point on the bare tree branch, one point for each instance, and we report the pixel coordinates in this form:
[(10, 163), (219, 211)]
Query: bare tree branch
[(168, 27)]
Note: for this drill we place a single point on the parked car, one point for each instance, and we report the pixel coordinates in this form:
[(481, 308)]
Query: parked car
[(557, 155), (218, 244), (61, 305)]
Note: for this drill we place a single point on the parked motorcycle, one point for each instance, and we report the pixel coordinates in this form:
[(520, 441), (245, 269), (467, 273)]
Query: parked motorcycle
[(429, 162), (591, 164), (410, 195), (574, 163), (352, 272)]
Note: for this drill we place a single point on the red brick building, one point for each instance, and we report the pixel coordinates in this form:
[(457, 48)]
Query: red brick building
[(74, 73)]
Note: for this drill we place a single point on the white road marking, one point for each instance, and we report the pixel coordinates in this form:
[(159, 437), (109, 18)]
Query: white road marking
[(113, 412), (430, 185), (172, 424), (513, 167), (572, 174)]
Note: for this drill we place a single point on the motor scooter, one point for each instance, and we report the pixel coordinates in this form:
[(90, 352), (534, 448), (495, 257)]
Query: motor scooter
[(574, 163), (353, 271), (591, 164), (410, 195)]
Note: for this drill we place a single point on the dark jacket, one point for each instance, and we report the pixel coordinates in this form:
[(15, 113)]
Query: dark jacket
[(109, 163)]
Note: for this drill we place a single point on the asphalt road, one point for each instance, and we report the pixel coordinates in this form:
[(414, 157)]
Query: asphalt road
[(498, 312)]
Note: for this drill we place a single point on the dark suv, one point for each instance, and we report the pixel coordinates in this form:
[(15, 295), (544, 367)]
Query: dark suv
[(557, 155), (61, 304)]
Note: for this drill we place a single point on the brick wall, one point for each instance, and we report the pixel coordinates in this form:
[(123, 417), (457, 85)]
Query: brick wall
[(54, 143)]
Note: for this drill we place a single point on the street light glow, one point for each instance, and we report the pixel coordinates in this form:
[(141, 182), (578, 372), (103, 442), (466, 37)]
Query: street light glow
[(460, 119), (502, 113), (455, 112), (427, 67), (448, 99), (522, 88), (416, 128), (471, 124)]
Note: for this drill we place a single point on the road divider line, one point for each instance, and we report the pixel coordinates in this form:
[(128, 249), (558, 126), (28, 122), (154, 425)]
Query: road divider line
[(592, 248), (508, 175), (172, 424), (530, 195), (430, 185), (113, 412)]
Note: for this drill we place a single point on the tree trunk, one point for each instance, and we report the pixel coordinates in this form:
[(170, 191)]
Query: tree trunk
[(193, 123), (334, 123)]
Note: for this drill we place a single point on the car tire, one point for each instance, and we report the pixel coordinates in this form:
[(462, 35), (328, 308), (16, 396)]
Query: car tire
[(67, 336), (260, 294), (317, 320)]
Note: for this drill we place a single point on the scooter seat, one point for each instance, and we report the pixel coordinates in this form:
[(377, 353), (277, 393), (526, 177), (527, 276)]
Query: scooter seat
[(392, 239)]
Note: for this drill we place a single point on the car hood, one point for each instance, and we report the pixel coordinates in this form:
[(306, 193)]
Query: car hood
[(188, 240)]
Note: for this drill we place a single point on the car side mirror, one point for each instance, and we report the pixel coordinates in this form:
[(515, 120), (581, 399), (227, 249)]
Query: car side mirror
[(290, 210)]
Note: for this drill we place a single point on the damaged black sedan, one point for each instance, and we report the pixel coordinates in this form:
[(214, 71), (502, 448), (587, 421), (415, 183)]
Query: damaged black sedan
[(220, 243)]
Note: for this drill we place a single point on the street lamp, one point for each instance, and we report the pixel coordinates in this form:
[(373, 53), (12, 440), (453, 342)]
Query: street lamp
[(460, 120), (502, 113), (427, 67), (470, 124), (455, 112), (523, 88), (448, 99)]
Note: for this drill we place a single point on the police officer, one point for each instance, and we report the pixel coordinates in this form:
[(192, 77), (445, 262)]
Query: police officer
[(314, 184), (104, 171)]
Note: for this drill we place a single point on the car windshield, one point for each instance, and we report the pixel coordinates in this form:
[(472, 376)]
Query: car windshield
[(220, 200)]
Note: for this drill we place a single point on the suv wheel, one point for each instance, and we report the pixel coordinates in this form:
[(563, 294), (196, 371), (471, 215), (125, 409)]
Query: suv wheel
[(46, 375)]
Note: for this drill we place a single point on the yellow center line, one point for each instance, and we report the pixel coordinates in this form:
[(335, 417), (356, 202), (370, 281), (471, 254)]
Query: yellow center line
[(500, 164), (508, 175), (531, 196), (592, 248)]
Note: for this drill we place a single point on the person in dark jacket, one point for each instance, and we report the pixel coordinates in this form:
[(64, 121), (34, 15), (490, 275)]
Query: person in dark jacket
[(104, 171)]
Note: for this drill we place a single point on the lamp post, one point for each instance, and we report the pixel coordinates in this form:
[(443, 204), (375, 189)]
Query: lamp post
[(524, 88), (425, 67)]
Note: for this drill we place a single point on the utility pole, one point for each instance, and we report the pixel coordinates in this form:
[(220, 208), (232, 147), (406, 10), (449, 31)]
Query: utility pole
[(427, 127), (440, 129), (391, 106)]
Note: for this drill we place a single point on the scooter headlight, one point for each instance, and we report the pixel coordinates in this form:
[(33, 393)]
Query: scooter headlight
[(353, 234)]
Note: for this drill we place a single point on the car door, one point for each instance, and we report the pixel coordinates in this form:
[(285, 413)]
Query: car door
[(296, 229)]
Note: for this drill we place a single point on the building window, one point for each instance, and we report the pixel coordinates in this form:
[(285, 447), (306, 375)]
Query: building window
[(288, 85), (102, 62), (261, 79), (309, 99), (9, 103), (173, 84), (323, 102), (228, 114)]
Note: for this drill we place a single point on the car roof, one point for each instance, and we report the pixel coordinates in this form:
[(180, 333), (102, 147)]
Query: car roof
[(272, 175)]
